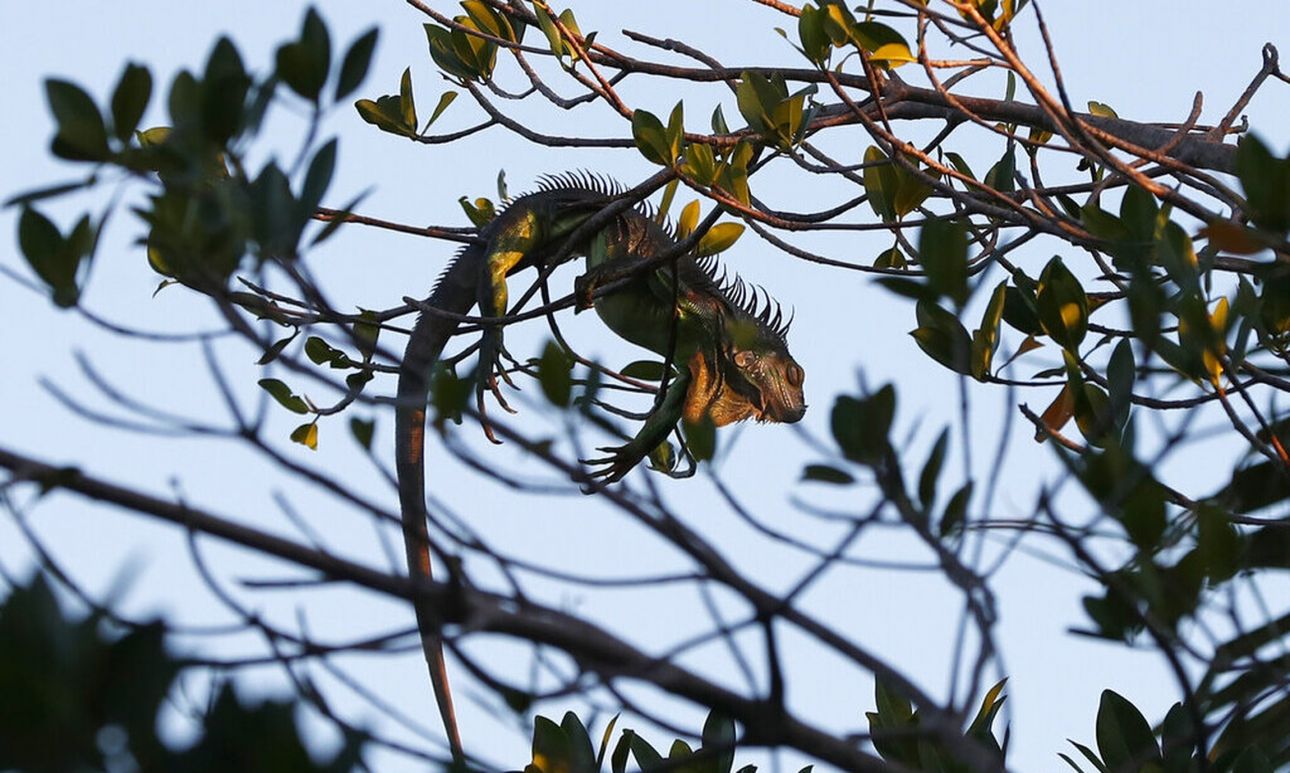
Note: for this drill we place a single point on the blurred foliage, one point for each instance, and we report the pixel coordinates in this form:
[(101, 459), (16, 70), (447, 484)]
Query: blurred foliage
[(1126, 742), (567, 748), (896, 733), (84, 695)]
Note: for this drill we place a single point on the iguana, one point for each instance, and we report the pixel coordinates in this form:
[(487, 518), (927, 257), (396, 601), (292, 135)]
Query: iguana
[(729, 347)]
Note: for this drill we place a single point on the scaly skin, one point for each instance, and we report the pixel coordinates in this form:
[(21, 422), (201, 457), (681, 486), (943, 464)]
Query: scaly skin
[(730, 351)]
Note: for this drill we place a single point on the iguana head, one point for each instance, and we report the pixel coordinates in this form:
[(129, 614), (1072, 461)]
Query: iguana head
[(749, 374)]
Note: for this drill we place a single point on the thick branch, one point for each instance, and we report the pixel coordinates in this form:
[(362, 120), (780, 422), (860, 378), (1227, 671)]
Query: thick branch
[(591, 646)]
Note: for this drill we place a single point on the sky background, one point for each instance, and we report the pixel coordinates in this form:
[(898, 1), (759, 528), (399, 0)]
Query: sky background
[(1145, 59)]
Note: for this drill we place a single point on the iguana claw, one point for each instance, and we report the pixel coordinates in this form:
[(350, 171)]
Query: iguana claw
[(491, 354), (620, 462)]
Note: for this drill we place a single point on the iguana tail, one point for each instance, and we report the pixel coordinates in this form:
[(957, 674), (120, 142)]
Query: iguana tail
[(455, 293)]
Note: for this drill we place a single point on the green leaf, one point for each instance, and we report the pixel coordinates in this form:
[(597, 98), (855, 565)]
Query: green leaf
[(1062, 305), (719, 238), (894, 714), (582, 757), (700, 439), (449, 395), (719, 740), (911, 191), (932, 470), (81, 133), (222, 94), (732, 174), (275, 349), (489, 20), (1218, 544), (960, 165), (304, 64), (571, 25), (477, 55), (884, 44), (861, 425), (357, 380), (1093, 414), (956, 510), (362, 430), (1177, 739), (622, 749), (1123, 735), (942, 252), (354, 66), (320, 352), (891, 258), (1252, 760), (651, 138), (646, 756), (719, 121), (130, 99), (1089, 755), (444, 52), (318, 178), (366, 333), (942, 337), (407, 102), (810, 31), (385, 114), (645, 370), (554, 374), (1120, 370), (282, 393), (551, 748), (827, 474), (55, 259), (558, 46), (756, 98), (700, 163), (1001, 175), (1265, 179), (676, 131), (985, 339), (306, 435), (40, 241), (880, 183), (1138, 213)]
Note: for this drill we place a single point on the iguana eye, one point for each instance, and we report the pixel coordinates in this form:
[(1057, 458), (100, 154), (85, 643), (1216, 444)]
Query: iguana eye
[(744, 359), (794, 375)]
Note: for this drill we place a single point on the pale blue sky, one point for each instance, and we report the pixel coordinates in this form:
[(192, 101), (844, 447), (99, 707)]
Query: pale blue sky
[(1146, 59)]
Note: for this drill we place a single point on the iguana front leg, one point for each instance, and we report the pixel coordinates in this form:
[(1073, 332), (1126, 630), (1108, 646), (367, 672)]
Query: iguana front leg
[(658, 425), (520, 234)]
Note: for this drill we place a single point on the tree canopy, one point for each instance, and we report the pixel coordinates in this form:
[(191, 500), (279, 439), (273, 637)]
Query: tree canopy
[(1117, 281)]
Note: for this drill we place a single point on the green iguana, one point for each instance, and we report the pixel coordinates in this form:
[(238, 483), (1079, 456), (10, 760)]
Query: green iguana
[(732, 359)]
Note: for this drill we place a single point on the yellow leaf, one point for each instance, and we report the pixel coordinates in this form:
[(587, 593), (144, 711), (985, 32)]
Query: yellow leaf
[(306, 435), (688, 220), (1099, 108), (719, 238)]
